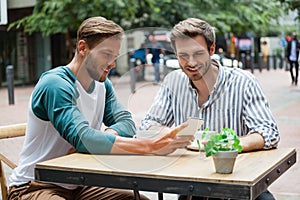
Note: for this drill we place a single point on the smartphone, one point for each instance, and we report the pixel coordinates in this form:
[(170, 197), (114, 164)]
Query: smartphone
[(193, 125)]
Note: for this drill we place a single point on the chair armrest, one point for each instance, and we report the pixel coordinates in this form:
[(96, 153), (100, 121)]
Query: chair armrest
[(14, 130), (7, 161)]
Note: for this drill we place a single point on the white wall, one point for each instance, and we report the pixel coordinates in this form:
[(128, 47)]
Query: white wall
[(20, 3)]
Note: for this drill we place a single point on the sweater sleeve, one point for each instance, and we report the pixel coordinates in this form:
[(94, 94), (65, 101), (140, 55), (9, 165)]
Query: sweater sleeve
[(115, 115), (54, 100)]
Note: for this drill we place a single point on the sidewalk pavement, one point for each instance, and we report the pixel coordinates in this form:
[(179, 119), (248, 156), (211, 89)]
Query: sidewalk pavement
[(284, 100)]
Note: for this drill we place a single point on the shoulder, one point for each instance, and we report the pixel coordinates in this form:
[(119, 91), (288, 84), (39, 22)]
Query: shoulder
[(238, 74), (58, 75), (175, 79), (57, 79), (55, 88)]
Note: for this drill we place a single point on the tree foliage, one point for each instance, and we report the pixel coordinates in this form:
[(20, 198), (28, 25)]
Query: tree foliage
[(62, 16), (293, 5), (240, 16)]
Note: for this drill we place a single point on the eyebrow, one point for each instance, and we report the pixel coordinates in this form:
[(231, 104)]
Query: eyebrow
[(106, 50), (198, 51), (111, 52)]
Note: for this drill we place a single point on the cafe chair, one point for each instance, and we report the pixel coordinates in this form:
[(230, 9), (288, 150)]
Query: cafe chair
[(13, 131), (6, 132)]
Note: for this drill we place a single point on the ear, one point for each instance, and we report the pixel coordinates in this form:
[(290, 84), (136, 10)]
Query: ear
[(212, 49), (81, 47)]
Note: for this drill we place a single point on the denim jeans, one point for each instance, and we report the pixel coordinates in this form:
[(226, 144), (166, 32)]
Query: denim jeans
[(156, 73)]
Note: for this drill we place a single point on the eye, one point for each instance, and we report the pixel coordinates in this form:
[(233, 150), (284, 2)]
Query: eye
[(107, 55), (184, 56), (198, 53)]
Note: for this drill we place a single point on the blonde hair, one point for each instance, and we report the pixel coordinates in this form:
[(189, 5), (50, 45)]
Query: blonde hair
[(95, 29)]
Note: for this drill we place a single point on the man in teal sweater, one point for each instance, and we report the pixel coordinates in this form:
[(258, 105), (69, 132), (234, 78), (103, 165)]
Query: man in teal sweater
[(66, 110)]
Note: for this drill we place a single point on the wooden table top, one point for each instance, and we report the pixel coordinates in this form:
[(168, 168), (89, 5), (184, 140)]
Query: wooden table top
[(180, 165)]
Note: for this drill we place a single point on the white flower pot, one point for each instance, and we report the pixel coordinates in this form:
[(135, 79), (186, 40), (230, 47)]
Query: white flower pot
[(224, 161)]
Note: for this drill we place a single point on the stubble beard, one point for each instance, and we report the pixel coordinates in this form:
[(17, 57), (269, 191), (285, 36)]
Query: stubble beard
[(91, 67), (202, 71)]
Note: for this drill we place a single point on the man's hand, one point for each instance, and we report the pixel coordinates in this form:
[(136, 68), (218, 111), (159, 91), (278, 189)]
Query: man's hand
[(166, 143)]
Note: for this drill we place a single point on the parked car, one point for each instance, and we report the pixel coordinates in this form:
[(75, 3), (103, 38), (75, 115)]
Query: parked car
[(227, 62), (171, 62)]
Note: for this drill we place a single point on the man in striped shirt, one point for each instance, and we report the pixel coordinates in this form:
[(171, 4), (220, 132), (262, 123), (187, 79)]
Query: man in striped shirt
[(202, 88)]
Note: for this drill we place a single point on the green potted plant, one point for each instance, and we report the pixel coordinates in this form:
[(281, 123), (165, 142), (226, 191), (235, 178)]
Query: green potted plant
[(223, 147)]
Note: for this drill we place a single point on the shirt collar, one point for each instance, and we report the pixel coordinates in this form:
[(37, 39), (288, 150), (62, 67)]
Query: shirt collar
[(220, 79)]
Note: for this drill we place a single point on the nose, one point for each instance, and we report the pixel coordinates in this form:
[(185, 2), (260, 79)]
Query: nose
[(192, 61)]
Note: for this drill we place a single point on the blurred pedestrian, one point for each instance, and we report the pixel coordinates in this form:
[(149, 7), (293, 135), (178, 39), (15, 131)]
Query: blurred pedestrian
[(156, 49), (140, 61), (265, 50), (233, 45), (292, 56)]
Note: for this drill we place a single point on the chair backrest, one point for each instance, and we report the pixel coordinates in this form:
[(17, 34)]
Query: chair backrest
[(9, 131)]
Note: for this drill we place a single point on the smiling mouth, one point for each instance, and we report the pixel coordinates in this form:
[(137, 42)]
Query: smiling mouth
[(194, 69), (106, 69)]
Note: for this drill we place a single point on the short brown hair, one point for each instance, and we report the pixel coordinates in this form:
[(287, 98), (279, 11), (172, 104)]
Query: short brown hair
[(95, 29), (193, 27)]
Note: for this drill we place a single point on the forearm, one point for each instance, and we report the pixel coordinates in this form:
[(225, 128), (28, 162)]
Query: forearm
[(252, 142), (112, 131), (124, 145), (161, 144)]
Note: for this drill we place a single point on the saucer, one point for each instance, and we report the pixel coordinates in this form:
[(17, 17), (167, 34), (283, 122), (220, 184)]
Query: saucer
[(194, 146)]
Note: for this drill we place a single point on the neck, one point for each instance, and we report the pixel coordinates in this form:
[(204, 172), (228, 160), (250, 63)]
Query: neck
[(74, 66), (207, 82), (205, 85), (80, 73)]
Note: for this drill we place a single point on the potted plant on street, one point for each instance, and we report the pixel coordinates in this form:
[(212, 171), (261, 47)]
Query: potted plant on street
[(223, 147)]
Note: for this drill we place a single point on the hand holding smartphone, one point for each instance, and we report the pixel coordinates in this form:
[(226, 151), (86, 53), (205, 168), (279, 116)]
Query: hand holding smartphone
[(193, 125)]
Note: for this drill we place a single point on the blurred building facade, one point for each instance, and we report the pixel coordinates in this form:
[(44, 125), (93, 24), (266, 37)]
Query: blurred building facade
[(30, 55), (33, 54)]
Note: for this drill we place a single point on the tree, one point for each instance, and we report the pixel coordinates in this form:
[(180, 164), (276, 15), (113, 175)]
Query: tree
[(291, 5), (239, 16), (64, 16), (60, 16)]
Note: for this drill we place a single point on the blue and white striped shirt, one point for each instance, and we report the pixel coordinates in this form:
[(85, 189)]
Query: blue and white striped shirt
[(237, 101)]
